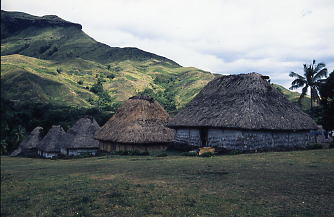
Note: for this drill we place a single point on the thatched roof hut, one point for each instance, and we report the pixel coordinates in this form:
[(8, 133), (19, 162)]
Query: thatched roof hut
[(29, 143), (244, 102), (80, 137), (137, 125), (50, 145)]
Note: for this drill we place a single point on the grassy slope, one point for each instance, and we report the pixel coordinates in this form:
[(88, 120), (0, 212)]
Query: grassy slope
[(131, 77), (34, 80), (265, 184)]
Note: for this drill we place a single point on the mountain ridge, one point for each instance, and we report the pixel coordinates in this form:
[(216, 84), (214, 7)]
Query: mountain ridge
[(20, 31)]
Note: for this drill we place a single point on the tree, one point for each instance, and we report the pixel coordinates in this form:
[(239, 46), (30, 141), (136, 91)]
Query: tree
[(327, 101), (312, 78)]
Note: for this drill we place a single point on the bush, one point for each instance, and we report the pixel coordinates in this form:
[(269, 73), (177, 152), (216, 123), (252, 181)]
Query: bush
[(314, 146), (111, 76), (207, 154), (190, 153), (80, 82), (235, 152), (44, 48), (163, 154), (59, 70)]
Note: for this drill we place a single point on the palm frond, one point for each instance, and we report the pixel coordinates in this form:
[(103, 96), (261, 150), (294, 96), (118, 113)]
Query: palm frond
[(305, 69), (299, 81), (322, 73), (295, 75), (319, 66)]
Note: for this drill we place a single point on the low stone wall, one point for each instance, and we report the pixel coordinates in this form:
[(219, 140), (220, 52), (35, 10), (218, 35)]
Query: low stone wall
[(244, 139), (77, 152), (47, 154), (109, 147), (188, 136)]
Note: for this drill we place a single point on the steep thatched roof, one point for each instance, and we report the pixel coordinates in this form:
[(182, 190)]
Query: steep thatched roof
[(52, 140), (140, 120), (245, 101), (81, 135), (30, 142)]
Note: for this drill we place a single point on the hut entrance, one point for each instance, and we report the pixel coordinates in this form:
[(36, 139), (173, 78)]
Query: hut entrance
[(204, 137)]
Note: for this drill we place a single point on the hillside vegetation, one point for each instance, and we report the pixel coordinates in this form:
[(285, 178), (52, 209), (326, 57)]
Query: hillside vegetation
[(52, 54), (69, 82)]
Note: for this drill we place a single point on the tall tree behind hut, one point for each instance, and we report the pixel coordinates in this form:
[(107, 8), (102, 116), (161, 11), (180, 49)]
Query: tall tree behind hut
[(327, 102), (313, 75)]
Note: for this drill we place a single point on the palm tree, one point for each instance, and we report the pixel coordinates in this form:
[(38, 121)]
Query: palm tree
[(312, 79)]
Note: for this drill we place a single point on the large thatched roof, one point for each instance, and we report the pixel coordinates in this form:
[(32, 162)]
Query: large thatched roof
[(140, 120), (245, 101), (81, 135), (52, 140)]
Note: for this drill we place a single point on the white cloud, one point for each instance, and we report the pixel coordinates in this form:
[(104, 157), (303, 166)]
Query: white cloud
[(221, 36)]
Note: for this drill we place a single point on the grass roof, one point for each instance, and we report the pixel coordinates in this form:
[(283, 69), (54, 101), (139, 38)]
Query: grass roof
[(81, 135), (244, 101), (52, 140), (140, 120)]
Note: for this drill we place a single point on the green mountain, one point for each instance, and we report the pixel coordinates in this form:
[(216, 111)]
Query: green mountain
[(62, 64)]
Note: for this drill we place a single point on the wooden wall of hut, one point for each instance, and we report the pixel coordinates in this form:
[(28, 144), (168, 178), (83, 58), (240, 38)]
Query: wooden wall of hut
[(245, 139), (109, 147)]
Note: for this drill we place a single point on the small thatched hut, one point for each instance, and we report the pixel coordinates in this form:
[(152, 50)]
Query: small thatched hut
[(50, 145), (80, 138), (242, 112), (29, 145), (139, 125)]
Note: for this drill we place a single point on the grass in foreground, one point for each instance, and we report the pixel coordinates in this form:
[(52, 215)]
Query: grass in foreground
[(266, 184)]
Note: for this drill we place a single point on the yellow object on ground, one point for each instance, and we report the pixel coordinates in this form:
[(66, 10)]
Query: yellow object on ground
[(206, 149)]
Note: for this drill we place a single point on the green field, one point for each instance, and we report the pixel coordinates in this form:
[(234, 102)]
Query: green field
[(265, 184)]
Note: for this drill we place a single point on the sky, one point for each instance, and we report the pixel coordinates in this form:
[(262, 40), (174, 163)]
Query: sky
[(221, 36)]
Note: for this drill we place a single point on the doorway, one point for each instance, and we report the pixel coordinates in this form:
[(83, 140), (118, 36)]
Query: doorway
[(204, 137)]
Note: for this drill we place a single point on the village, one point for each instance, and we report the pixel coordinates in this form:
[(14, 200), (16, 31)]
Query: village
[(236, 112), (147, 108)]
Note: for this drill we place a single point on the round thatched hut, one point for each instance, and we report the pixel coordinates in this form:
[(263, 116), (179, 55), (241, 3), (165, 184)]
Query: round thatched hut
[(79, 139), (29, 145), (243, 112), (139, 125), (50, 145)]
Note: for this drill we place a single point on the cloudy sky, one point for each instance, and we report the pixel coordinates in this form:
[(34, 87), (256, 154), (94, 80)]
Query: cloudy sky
[(221, 36)]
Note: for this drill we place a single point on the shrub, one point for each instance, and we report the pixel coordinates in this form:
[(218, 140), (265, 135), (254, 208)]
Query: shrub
[(162, 154), (80, 82), (207, 154), (111, 76), (314, 146), (235, 152), (190, 153), (44, 48), (51, 52), (59, 70)]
